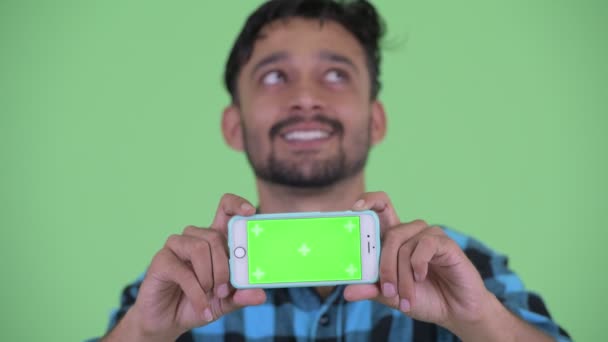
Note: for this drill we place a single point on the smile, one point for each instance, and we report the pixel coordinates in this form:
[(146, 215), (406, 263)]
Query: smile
[(306, 135)]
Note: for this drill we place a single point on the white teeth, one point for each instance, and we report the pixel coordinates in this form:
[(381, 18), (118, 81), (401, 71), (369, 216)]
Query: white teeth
[(306, 135)]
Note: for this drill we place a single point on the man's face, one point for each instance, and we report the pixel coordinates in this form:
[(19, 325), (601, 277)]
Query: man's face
[(304, 104)]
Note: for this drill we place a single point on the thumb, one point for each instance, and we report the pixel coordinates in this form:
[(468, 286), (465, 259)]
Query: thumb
[(230, 205), (240, 299), (360, 292), (357, 292), (247, 297), (381, 204)]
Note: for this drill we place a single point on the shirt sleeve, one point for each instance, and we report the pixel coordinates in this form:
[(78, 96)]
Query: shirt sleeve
[(507, 286), (127, 299)]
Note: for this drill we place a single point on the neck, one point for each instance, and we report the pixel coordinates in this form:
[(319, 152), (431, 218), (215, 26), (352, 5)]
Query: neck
[(275, 198)]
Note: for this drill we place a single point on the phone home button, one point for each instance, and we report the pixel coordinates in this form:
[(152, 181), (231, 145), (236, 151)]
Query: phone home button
[(239, 252)]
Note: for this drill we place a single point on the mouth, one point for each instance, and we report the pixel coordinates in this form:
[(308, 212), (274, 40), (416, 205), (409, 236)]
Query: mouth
[(306, 135), (302, 138), (301, 135)]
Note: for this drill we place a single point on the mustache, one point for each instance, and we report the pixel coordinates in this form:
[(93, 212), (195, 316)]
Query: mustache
[(336, 125)]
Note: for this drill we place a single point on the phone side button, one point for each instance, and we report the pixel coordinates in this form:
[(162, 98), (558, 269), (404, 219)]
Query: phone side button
[(239, 252)]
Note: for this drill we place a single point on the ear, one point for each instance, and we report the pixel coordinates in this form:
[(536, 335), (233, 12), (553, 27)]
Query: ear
[(232, 127), (378, 122)]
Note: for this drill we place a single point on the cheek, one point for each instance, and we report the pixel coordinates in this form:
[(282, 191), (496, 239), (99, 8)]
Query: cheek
[(357, 128), (255, 132), (354, 114), (264, 110)]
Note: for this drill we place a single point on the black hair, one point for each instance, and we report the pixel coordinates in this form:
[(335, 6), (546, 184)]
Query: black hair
[(358, 17)]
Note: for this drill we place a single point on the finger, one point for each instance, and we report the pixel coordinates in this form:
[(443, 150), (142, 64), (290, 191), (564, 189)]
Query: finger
[(221, 268), (393, 239), (245, 297), (369, 291), (406, 288), (174, 270), (356, 292), (197, 252), (381, 204), (430, 247), (229, 206), (240, 299), (426, 248), (218, 256)]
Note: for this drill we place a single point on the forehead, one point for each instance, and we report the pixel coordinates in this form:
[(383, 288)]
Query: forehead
[(306, 37)]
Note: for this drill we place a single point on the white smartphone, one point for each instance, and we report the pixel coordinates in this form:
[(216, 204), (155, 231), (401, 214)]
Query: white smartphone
[(304, 249)]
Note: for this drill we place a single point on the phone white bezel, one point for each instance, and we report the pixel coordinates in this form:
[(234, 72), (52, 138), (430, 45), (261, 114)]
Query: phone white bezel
[(370, 248)]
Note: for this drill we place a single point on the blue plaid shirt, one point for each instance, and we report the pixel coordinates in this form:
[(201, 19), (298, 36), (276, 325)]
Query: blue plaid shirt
[(299, 314)]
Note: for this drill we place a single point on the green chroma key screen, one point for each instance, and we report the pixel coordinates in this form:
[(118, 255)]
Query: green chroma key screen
[(304, 249)]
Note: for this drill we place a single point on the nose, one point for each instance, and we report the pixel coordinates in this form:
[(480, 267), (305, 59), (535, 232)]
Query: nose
[(306, 98)]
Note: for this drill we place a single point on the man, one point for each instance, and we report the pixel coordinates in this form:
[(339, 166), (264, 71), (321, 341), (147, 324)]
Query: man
[(303, 77)]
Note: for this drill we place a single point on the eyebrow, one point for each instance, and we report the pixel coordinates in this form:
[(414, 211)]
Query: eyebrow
[(338, 58), (270, 59)]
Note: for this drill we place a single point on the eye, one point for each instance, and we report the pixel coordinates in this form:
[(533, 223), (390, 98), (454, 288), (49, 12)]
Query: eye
[(335, 76), (273, 77)]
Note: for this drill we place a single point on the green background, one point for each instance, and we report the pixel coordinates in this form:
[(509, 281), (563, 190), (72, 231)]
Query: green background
[(275, 250), (110, 142)]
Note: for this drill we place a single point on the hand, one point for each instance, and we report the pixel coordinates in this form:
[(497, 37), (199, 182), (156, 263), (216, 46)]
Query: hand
[(423, 272), (187, 283)]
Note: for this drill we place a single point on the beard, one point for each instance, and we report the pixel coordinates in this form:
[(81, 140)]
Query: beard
[(306, 171)]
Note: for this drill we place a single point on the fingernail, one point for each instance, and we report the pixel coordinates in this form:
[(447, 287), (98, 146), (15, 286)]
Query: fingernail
[(246, 206), (208, 315), (359, 204), (416, 276), (404, 305), (388, 290), (222, 291)]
